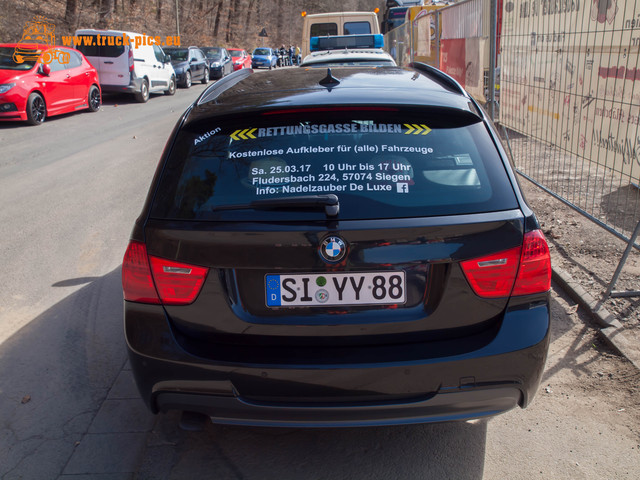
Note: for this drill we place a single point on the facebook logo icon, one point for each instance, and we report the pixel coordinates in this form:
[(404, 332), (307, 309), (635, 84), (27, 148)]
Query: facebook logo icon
[(402, 187)]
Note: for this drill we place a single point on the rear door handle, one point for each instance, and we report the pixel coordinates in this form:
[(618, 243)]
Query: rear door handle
[(109, 63)]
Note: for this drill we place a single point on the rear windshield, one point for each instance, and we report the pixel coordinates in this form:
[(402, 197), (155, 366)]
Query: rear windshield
[(379, 164), (107, 46), (323, 29), (357, 28)]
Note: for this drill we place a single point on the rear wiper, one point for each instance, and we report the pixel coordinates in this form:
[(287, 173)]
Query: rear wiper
[(329, 202)]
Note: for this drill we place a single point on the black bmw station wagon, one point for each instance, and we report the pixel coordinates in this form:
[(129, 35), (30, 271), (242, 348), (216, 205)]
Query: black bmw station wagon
[(336, 248)]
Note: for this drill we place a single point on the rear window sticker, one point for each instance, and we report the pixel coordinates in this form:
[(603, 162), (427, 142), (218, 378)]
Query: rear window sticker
[(252, 133), (206, 135)]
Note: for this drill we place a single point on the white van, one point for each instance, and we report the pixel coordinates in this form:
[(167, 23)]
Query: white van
[(337, 23), (129, 66)]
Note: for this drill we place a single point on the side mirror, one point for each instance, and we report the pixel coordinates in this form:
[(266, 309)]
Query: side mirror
[(167, 58), (193, 60), (45, 69)]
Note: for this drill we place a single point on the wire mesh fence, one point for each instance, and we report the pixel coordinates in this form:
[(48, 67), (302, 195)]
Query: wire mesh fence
[(570, 98), (567, 92)]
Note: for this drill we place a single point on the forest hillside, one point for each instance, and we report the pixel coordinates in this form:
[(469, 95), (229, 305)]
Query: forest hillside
[(229, 23)]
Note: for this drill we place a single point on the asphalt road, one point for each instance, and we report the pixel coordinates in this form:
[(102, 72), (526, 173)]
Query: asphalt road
[(70, 190)]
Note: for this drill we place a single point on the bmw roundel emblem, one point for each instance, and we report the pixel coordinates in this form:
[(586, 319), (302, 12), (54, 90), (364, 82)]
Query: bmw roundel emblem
[(333, 249)]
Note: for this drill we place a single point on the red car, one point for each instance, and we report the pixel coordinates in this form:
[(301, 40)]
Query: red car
[(239, 58), (47, 81)]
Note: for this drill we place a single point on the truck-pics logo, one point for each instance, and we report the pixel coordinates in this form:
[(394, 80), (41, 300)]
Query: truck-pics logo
[(35, 32)]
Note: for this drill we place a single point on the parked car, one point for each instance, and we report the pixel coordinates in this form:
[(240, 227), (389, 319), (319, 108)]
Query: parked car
[(352, 251), (263, 57), (190, 64), (127, 68), (240, 58), (33, 90), (219, 59), (347, 50)]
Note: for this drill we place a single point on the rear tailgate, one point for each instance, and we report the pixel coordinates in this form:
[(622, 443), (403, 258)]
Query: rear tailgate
[(108, 55), (415, 197), (420, 291)]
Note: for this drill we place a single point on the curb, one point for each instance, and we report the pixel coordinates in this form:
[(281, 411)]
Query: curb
[(612, 331)]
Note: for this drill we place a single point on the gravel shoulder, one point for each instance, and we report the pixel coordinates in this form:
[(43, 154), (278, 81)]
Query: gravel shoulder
[(590, 255)]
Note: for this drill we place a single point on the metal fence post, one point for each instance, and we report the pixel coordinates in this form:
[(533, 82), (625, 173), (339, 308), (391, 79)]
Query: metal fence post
[(623, 260), (437, 42), (492, 60)]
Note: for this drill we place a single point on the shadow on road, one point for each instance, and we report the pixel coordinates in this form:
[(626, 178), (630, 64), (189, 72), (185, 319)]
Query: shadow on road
[(57, 408), (570, 355), (448, 450), (55, 372)]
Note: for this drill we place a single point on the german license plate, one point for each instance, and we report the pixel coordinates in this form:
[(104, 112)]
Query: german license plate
[(316, 290)]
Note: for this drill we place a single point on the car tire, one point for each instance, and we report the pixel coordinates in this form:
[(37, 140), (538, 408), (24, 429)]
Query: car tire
[(36, 109), (94, 99), (205, 79), (187, 80), (143, 95), (172, 87)]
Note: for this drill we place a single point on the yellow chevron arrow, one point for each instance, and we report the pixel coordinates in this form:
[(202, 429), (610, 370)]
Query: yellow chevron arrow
[(418, 129), (411, 129), (426, 129), (233, 135), (250, 133), (242, 133)]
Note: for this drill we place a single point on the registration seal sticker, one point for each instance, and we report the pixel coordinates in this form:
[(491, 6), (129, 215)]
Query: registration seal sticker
[(322, 295)]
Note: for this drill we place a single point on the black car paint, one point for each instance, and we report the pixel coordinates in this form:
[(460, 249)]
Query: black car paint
[(225, 66), (249, 367), (197, 68)]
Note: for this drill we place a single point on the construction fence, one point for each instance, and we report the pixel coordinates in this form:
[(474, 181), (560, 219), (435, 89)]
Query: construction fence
[(559, 78)]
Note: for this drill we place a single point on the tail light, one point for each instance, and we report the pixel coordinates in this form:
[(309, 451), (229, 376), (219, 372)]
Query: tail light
[(534, 275), (518, 271), (493, 276), (177, 283), (148, 279), (137, 282), (131, 59)]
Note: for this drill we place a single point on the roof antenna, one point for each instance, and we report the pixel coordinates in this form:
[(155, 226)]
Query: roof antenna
[(329, 81)]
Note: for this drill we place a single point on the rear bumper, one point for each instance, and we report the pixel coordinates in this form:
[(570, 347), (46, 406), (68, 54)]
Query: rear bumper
[(451, 406), (260, 63), (503, 373), (133, 87)]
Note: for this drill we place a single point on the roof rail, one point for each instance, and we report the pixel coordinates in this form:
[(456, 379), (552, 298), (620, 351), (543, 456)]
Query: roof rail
[(215, 90), (438, 75)]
